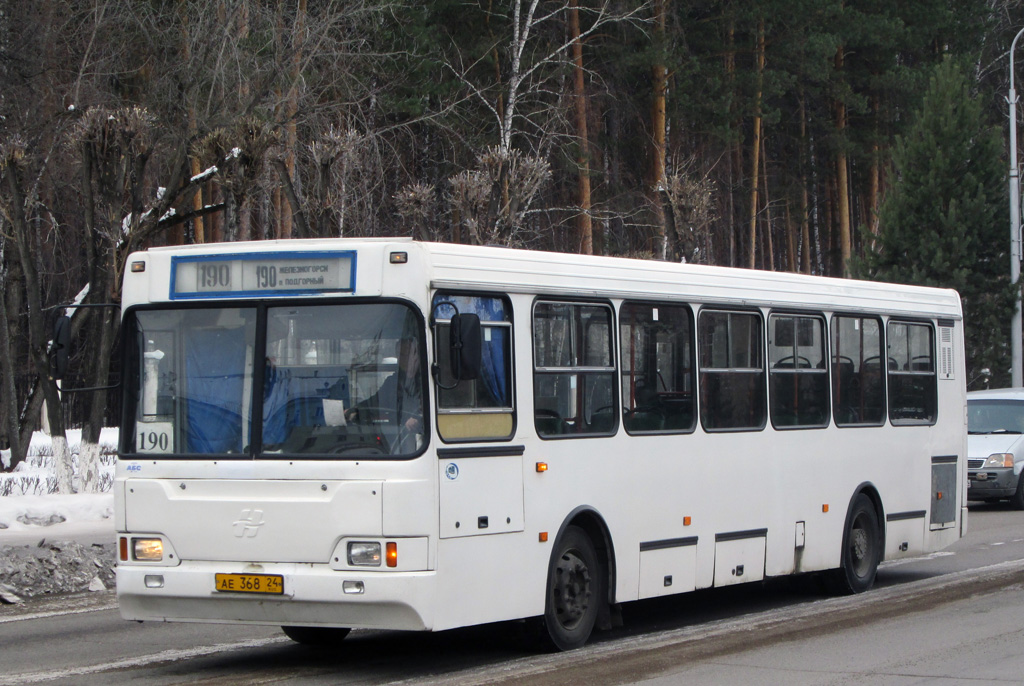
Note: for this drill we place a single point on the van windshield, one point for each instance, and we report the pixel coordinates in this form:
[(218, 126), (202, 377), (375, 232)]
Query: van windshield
[(995, 416), (332, 381)]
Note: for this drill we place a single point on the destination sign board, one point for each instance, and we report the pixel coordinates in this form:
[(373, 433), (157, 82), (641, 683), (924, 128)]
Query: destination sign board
[(262, 274)]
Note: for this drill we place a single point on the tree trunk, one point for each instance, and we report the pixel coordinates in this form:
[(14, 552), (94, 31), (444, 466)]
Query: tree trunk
[(293, 200), (791, 240), (755, 150), (38, 338), (291, 137), (874, 176), (769, 261), (842, 188), (186, 54), (9, 389), (805, 223), (199, 227), (656, 182), (735, 154), (585, 228)]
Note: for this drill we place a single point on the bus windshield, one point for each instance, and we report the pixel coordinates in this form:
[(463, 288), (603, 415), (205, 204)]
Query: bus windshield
[(310, 380)]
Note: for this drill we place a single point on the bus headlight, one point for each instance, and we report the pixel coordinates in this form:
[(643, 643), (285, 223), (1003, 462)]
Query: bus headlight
[(364, 554), (147, 549), (999, 460)]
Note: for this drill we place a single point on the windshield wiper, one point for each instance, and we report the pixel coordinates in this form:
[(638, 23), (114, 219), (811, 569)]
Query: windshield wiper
[(993, 431)]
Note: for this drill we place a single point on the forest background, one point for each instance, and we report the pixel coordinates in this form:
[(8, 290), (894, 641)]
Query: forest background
[(835, 137)]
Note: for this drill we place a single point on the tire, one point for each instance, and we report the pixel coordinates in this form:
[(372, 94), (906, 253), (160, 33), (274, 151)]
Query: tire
[(575, 591), (862, 549), (318, 636), (1017, 500)]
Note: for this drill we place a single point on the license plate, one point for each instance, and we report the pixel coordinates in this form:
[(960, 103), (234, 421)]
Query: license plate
[(250, 583)]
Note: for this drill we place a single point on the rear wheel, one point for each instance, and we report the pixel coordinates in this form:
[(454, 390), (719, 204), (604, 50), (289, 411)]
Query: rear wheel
[(575, 590), (315, 635), (862, 549)]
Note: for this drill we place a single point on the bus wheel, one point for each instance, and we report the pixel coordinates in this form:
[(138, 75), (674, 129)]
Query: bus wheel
[(315, 635), (862, 549), (575, 590)]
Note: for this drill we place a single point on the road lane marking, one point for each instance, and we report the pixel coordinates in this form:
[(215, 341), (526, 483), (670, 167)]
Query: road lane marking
[(141, 661), (908, 560)]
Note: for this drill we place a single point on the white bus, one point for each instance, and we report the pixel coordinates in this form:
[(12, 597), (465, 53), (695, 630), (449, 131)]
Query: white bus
[(381, 433)]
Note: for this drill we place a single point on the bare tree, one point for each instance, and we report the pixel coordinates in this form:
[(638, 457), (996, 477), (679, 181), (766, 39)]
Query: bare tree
[(527, 94), (691, 203), (16, 166), (239, 153)]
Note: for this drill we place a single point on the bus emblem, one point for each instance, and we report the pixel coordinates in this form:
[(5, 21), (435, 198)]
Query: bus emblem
[(452, 471), (249, 524)]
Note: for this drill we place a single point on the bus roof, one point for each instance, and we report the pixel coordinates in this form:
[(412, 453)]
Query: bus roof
[(499, 269)]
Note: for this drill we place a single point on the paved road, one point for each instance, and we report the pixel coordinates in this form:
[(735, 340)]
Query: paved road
[(951, 617)]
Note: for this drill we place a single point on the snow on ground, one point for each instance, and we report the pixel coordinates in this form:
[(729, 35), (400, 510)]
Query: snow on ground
[(51, 543), (83, 517)]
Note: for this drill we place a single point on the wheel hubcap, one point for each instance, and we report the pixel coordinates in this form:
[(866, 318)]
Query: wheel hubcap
[(860, 549), (572, 589)]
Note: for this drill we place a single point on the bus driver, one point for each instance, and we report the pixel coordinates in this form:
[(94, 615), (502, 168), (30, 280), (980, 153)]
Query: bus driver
[(401, 397)]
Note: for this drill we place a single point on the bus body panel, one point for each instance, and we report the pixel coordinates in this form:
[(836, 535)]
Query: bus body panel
[(264, 521)]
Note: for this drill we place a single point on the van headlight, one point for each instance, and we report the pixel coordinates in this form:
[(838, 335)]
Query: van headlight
[(999, 460)]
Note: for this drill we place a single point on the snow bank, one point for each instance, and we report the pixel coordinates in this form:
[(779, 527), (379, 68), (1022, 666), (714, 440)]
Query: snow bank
[(36, 475), (53, 543)]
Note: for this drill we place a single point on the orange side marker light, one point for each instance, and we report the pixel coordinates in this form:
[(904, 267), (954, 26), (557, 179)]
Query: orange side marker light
[(824, 508), (391, 554), (543, 537), (542, 466)]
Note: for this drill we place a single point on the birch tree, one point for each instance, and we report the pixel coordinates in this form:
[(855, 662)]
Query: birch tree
[(524, 98)]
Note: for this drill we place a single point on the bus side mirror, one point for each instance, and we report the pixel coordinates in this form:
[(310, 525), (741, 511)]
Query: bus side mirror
[(465, 346), (60, 346)]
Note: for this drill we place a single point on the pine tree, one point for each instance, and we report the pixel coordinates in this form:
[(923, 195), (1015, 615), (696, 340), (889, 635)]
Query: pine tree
[(943, 221)]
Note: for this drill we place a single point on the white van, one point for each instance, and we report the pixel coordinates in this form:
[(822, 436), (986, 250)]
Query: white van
[(995, 445)]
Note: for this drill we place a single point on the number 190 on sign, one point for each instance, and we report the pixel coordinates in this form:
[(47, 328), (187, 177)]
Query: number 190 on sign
[(154, 437)]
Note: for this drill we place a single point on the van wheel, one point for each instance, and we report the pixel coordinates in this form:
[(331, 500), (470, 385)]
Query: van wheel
[(575, 590), (318, 636), (862, 549), (1017, 501)]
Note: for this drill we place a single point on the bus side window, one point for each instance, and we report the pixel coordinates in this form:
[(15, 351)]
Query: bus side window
[(656, 351), (481, 408), (574, 372), (911, 374), (732, 374), (798, 379), (858, 392)]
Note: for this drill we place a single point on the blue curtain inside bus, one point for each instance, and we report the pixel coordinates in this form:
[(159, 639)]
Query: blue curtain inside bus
[(493, 372), (215, 370)]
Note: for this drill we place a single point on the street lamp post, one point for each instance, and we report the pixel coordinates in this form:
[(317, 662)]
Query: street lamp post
[(1015, 327)]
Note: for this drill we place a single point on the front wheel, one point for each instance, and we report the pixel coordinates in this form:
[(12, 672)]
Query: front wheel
[(1017, 500), (862, 549), (575, 590), (318, 636)]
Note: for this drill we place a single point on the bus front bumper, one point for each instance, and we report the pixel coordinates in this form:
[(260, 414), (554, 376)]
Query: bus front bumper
[(314, 595)]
